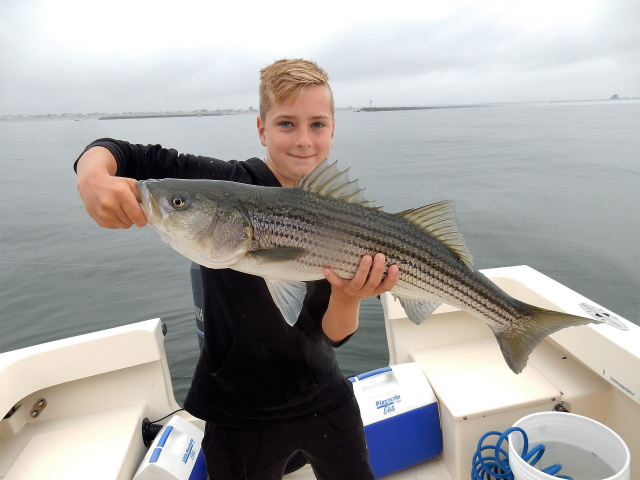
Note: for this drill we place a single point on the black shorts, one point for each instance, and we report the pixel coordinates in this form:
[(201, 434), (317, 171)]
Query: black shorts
[(333, 441)]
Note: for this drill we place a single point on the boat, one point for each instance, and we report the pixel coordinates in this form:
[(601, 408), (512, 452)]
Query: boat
[(75, 407)]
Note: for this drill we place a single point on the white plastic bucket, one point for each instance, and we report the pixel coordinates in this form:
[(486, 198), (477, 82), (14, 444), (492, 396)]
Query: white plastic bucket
[(586, 449)]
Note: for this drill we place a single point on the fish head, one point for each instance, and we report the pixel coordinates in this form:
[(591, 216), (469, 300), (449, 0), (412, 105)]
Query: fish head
[(197, 220)]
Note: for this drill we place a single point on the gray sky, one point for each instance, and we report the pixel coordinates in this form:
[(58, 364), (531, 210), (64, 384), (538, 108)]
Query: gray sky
[(85, 56)]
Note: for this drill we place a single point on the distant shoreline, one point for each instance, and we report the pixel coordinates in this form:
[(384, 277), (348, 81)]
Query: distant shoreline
[(162, 115), (120, 116), (394, 109), (614, 99)]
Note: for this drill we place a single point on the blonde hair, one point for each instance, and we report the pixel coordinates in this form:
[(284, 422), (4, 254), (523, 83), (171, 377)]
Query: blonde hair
[(284, 80)]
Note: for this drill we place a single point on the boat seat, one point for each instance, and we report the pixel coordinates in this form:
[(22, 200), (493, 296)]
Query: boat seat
[(103, 445), (473, 379), (477, 393)]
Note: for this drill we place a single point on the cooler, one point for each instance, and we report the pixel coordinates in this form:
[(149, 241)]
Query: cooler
[(400, 416), (175, 454)]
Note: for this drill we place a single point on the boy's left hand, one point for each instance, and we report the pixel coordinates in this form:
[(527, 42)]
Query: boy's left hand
[(368, 280)]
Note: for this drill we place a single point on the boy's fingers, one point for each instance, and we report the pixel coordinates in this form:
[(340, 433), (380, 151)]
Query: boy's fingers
[(133, 185), (393, 273), (377, 270), (369, 280), (333, 279), (132, 209), (353, 285), (362, 274)]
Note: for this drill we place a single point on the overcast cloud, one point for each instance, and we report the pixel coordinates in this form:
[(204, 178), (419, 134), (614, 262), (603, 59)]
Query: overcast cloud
[(58, 57)]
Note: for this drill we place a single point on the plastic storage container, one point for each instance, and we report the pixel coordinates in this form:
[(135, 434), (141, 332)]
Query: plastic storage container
[(175, 454), (400, 416)]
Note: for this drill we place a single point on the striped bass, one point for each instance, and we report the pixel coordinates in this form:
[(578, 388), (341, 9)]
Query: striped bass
[(288, 235)]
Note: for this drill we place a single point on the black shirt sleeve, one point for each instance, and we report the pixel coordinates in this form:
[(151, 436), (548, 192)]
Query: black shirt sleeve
[(153, 161)]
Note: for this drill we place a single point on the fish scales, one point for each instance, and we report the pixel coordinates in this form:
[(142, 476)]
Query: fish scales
[(289, 235), (338, 234)]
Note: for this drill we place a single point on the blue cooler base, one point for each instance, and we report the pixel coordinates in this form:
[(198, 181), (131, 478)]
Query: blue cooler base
[(405, 440), (199, 471)]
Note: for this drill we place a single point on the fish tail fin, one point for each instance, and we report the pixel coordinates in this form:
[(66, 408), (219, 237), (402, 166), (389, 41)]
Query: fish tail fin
[(517, 345)]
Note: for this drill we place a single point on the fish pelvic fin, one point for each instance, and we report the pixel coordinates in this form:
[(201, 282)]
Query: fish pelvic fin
[(439, 221), (517, 345), (418, 310), (288, 297), (327, 180)]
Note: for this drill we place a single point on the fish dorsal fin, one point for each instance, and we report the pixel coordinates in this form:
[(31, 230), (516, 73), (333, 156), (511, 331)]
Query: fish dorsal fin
[(326, 179), (439, 220)]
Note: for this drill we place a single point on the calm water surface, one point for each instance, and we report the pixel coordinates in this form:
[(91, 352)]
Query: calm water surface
[(553, 186)]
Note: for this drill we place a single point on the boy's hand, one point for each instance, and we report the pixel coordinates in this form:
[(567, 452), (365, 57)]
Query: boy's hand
[(368, 280), (111, 201), (341, 318)]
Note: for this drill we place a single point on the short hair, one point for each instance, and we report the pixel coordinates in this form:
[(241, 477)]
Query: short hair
[(284, 80)]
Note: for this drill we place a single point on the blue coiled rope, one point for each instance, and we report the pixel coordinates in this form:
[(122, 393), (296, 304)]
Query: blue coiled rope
[(491, 462)]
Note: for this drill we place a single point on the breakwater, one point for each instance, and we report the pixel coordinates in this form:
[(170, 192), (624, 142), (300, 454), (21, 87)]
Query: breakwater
[(393, 109), (160, 115)]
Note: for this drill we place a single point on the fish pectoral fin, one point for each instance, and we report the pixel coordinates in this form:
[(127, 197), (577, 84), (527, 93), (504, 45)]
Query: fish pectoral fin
[(288, 297), (517, 345), (418, 310), (277, 255)]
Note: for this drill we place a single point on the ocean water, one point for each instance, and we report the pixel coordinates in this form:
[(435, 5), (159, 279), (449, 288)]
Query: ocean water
[(553, 186)]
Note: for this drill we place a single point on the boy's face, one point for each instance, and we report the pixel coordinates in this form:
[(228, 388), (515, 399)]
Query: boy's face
[(298, 136)]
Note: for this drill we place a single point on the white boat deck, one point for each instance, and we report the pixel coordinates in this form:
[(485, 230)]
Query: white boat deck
[(430, 470)]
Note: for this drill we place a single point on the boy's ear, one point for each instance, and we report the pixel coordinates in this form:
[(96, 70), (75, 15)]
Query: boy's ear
[(261, 131)]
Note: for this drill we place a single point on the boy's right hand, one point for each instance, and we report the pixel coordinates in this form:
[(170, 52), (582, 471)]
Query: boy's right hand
[(111, 201)]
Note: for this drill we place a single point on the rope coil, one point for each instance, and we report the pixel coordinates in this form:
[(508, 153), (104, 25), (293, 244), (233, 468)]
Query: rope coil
[(491, 462)]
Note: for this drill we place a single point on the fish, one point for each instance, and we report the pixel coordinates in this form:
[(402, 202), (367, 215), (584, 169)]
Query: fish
[(289, 235)]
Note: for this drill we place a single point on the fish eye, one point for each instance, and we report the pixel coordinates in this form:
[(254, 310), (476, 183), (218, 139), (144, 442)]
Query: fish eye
[(180, 201)]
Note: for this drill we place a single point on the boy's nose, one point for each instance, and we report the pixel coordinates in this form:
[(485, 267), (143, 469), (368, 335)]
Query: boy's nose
[(304, 139)]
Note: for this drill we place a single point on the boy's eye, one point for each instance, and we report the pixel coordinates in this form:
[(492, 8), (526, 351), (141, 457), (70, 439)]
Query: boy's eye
[(317, 125), (285, 123)]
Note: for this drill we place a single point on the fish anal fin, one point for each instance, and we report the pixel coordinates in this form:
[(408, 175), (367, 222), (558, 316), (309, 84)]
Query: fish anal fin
[(418, 310), (517, 345), (328, 180), (439, 221), (288, 297)]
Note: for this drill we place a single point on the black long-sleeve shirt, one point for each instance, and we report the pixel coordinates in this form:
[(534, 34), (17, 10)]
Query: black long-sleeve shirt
[(254, 369)]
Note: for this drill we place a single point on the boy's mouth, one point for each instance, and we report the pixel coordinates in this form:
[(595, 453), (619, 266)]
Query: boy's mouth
[(302, 157)]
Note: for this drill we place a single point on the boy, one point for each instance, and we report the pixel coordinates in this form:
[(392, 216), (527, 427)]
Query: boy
[(264, 389)]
